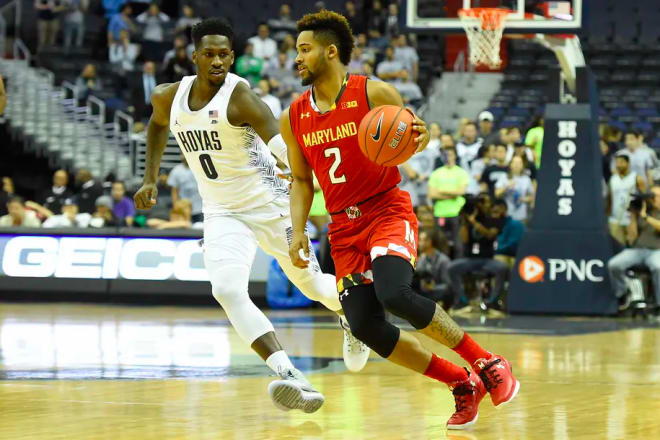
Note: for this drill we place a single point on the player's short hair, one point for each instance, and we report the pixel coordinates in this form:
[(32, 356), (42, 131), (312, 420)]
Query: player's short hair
[(330, 28), (212, 26)]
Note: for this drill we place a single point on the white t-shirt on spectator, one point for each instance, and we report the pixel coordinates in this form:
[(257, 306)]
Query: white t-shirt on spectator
[(642, 160), (467, 152), (30, 220), (263, 48), (123, 58), (388, 67), (522, 187), (408, 90), (510, 150), (274, 104), (82, 220), (182, 178), (153, 25), (407, 56)]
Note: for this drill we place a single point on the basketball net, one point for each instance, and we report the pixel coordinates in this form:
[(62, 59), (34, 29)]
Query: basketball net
[(484, 28)]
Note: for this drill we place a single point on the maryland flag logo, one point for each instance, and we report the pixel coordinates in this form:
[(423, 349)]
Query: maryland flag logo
[(355, 279)]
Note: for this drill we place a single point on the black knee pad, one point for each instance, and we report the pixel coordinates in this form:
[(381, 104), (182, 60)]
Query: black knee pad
[(366, 316), (393, 281)]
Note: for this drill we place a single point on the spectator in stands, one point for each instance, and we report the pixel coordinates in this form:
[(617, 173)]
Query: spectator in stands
[(479, 230), (74, 21), (263, 90), (355, 18), (88, 83), (512, 138), (368, 69), (389, 69), (53, 198), (89, 191), (644, 239), (607, 155), (249, 66), (485, 158), (18, 215), (187, 20), (152, 21), (280, 75), (183, 184), (48, 24), (446, 188), (368, 53), (642, 159), (179, 41), (431, 276), (434, 133), (495, 171), (469, 145), (392, 25), (8, 185), (521, 151), (178, 67), (69, 217), (123, 54), (406, 55), (621, 187), (103, 216), (355, 65), (377, 19), (510, 236), (123, 208), (534, 139), (517, 189), (486, 122), (142, 88), (283, 25), (264, 47), (409, 91), (416, 172), (179, 218), (120, 22)]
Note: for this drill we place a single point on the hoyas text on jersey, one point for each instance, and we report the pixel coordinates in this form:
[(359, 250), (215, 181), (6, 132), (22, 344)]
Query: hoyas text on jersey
[(199, 140)]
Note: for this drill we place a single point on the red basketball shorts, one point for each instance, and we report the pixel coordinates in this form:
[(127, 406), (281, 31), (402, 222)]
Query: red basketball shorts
[(384, 225)]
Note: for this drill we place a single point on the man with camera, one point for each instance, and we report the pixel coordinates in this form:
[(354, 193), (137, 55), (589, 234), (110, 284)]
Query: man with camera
[(480, 227), (644, 240)]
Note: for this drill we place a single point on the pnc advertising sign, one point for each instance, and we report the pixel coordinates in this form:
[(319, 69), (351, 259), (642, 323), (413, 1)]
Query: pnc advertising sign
[(532, 269)]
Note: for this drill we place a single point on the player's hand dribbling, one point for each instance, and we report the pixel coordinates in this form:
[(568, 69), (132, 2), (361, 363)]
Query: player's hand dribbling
[(145, 197), (420, 127), (299, 243)]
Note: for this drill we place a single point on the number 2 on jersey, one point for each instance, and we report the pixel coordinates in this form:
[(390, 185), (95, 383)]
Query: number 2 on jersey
[(334, 151), (207, 165)]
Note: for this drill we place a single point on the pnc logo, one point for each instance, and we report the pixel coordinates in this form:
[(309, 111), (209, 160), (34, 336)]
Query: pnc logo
[(531, 269)]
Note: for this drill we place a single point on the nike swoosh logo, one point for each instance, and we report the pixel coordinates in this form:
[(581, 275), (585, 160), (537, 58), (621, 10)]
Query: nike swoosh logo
[(376, 137)]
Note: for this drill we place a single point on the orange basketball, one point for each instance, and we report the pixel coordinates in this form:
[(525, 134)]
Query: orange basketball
[(386, 135)]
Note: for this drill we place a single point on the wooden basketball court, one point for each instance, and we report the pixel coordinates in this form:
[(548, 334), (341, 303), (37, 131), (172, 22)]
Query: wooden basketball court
[(104, 372)]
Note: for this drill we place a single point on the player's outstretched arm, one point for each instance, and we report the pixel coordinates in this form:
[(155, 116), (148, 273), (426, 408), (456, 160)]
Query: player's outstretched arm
[(302, 193), (382, 93), (158, 132), (246, 108)]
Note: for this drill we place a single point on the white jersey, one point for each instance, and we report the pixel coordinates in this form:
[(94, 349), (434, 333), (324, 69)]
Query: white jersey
[(233, 167), (621, 190)]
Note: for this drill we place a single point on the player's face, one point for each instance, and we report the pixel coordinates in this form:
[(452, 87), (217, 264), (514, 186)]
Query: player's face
[(311, 61), (213, 58)]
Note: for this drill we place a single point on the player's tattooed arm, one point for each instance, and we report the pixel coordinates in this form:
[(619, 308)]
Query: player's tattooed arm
[(443, 329), (158, 132), (302, 192), (382, 93)]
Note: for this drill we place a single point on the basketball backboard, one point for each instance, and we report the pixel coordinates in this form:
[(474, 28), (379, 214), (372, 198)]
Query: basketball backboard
[(528, 17)]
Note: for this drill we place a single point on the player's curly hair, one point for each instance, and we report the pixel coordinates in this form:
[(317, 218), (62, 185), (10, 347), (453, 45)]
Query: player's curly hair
[(212, 26), (330, 28)]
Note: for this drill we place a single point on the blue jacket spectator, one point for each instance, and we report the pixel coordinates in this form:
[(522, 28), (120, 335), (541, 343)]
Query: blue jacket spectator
[(510, 236)]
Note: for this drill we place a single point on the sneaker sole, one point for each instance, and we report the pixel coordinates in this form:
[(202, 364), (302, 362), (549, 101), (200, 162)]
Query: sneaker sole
[(287, 396), (356, 363), (465, 425), (513, 395)]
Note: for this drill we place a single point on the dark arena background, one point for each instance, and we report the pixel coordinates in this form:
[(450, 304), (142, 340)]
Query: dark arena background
[(544, 124)]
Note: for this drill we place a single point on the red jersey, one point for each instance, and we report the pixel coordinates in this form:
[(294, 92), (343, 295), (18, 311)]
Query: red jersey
[(329, 142)]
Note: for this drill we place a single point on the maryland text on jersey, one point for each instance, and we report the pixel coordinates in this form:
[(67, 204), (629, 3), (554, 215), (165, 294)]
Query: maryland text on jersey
[(329, 134)]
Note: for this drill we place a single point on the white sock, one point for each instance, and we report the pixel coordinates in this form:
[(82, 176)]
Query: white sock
[(279, 361)]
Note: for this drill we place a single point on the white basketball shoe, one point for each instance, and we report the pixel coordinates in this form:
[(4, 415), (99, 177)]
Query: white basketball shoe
[(356, 352), (293, 391)]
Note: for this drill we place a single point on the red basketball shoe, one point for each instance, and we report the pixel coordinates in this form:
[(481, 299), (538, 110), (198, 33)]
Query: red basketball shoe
[(467, 395), (497, 378)]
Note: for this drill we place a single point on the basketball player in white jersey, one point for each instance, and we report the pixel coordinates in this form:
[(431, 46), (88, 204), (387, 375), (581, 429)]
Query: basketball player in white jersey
[(220, 126)]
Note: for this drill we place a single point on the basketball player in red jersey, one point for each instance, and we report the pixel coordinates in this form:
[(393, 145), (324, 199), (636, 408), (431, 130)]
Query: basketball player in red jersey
[(373, 232)]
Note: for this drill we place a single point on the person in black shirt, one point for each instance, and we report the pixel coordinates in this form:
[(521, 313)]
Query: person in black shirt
[(493, 173), (53, 198), (89, 191), (479, 232)]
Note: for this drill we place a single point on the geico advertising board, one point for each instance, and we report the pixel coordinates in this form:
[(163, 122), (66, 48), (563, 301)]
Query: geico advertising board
[(102, 258)]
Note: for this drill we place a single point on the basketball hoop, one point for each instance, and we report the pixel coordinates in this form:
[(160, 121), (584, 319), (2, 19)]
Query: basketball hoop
[(484, 27)]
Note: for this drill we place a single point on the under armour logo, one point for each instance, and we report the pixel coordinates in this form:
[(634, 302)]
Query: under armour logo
[(305, 115)]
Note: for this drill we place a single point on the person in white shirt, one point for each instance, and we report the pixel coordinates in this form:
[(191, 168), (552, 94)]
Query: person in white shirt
[(468, 147), (406, 55), (153, 19), (69, 218), (622, 185), (18, 215), (643, 160), (123, 54), (263, 46), (409, 91), (273, 103)]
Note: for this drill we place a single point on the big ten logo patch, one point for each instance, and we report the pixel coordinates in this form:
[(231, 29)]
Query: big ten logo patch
[(349, 104)]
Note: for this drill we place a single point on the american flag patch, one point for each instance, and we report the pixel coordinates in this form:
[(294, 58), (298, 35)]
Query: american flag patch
[(213, 116)]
